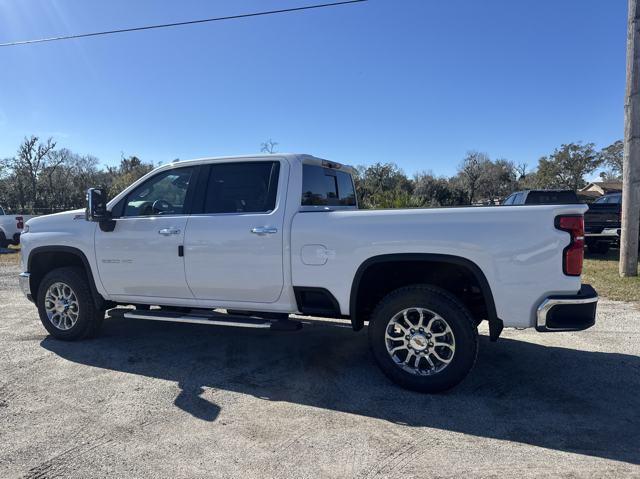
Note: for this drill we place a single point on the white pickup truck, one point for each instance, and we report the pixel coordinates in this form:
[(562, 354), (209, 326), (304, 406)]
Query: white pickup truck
[(263, 237), (10, 228)]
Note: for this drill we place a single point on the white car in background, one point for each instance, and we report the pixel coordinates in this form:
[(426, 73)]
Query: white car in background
[(11, 227)]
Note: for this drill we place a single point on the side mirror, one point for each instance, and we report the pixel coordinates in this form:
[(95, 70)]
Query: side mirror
[(96, 206)]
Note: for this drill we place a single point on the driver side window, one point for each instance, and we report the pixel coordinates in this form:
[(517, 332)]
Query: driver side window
[(163, 194)]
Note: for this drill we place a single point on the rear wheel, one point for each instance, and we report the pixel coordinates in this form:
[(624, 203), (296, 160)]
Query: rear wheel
[(66, 306), (423, 338)]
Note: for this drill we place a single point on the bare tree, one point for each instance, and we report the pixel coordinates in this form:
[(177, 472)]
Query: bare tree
[(33, 158), (521, 170), (471, 171), (269, 146)]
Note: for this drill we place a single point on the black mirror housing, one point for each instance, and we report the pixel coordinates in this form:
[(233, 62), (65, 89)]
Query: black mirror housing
[(96, 210)]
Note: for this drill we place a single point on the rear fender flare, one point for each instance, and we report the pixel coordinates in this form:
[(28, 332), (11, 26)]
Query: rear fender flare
[(495, 323)]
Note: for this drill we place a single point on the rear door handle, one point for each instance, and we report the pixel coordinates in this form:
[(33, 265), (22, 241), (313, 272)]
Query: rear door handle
[(169, 231), (264, 230)]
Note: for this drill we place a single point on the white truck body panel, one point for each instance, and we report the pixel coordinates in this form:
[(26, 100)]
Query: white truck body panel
[(137, 247), (249, 267), (517, 248)]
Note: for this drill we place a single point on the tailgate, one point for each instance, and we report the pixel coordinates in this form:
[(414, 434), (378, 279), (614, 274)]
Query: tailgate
[(602, 216)]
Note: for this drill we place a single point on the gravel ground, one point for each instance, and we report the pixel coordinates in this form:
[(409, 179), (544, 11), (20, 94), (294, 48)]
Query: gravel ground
[(150, 399)]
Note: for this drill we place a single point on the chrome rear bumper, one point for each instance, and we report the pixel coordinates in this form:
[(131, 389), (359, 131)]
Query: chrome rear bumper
[(568, 313), (605, 233)]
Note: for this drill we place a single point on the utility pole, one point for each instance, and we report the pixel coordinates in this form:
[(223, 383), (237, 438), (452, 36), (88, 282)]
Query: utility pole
[(631, 164)]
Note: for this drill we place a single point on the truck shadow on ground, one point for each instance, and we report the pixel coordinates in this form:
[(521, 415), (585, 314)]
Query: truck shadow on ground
[(557, 398)]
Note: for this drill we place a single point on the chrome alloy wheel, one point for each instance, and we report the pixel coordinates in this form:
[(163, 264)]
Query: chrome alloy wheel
[(420, 341), (61, 305)]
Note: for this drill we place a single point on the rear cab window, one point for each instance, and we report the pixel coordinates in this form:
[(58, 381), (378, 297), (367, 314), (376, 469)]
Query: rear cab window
[(326, 187), (552, 198), (242, 187)]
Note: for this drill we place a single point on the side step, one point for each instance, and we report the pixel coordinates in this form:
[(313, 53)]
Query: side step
[(206, 317)]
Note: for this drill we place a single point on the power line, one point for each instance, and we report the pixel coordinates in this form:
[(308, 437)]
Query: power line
[(177, 24)]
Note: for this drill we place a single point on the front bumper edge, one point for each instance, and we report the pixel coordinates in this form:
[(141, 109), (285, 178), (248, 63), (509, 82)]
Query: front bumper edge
[(25, 285)]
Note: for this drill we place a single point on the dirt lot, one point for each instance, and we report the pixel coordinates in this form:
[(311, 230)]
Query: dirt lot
[(152, 399)]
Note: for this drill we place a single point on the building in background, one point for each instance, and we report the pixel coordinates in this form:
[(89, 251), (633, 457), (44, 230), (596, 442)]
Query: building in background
[(596, 189)]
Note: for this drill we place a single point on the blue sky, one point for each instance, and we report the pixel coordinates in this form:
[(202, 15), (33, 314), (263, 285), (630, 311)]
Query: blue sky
[(416, 82)]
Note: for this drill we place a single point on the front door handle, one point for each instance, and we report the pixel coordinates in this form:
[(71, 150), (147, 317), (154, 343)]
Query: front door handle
[(264, 230), (169, 231)]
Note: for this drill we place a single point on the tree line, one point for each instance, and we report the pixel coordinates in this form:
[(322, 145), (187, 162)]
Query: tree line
[(481, 180), (42, 178)]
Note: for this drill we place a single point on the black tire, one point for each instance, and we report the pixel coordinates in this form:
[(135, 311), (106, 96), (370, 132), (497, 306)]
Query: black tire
[(89, 317), (598, 247), (4, 242), (456, 316)]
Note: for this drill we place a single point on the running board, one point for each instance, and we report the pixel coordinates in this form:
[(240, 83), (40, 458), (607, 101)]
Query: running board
[(206, 317)]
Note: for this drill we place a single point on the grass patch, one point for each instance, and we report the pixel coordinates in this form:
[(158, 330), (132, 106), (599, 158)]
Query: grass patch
[(10, 258), (601, 271)]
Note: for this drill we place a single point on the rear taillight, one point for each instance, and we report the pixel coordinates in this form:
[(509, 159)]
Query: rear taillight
[(20, 222), (574, 253)]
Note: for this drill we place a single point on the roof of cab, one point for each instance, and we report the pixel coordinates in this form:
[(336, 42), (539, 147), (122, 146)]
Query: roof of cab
[(302, 157)]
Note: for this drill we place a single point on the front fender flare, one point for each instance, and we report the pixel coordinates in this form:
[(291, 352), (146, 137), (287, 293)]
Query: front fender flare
[(97, 297)]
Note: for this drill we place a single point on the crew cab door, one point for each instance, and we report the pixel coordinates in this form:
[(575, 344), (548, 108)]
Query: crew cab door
[(141, 256), (234, 239)]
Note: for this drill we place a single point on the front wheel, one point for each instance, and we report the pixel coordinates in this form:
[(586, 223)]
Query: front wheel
[(423, 338), (66, 306)]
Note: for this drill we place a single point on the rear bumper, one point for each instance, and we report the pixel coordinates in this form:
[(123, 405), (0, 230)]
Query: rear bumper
[(568, 313), (25, 285), (611, 233)]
